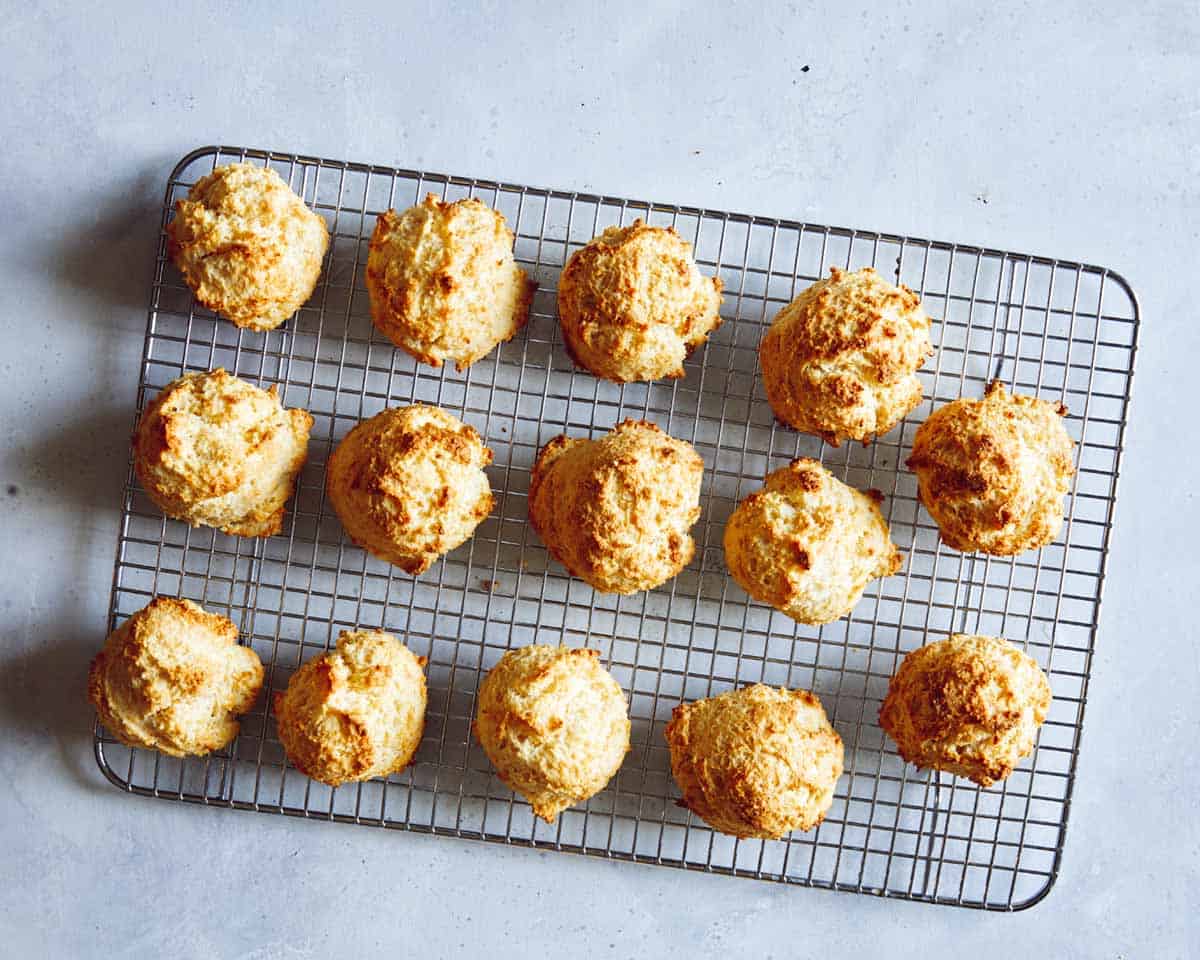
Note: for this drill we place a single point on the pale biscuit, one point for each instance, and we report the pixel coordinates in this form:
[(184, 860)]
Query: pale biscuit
[(247, 245), (756, 762), (355, 712), (617, 511), (409, 484), (555, 725), (968, 705), (443, 282), (173, 678), (216, 451), (808, 544), (993, 472), (633, 304), (840, 360)]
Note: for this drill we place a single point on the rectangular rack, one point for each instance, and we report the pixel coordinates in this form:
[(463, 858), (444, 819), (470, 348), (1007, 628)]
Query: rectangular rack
[(1064, 331)]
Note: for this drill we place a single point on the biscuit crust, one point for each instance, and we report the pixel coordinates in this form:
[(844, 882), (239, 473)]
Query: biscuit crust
[(554, 723), (443, 282), (840, 360), (355, 712), (174, 679), (968, 705), (808, 544), (993, 473), (617, 511), (756, 762), (247, 245), (409, 484), (633, 304), (216, 451)]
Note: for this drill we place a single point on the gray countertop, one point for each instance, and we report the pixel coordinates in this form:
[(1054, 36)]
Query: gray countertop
[(1070, 130)]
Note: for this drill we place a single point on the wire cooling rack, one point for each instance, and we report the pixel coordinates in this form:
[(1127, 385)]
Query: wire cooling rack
[(1064, 331)]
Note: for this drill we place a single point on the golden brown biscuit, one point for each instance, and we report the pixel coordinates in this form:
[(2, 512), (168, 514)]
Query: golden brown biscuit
[(173, 678), (993, 472), (247, 245), (355, 712), (756, 762), (409, 484), (555, 725), (968, 705), (214, 450), (808, 544), (840, 360), (633, 304), (616, 511), (443, 283)]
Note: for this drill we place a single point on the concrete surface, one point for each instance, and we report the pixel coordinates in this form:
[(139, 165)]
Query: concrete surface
[(1070, 128)]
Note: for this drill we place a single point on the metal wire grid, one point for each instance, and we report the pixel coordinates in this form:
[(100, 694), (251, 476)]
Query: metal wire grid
[(1064, 331)]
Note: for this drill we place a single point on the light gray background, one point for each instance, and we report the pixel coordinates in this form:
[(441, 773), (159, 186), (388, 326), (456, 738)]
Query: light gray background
[(1070, 129)]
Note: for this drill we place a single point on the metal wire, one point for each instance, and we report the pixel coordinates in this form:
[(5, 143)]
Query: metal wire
[(1065, 331)]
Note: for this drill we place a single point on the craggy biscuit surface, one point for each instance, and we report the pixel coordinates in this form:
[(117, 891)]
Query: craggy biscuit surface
[(808, 544), (993, 473), (554, 723), (355, 712), (247, 245), (633, 304), (840, 360), (409, 484), (968, 705), (214, 450), (617, 511), (173, 678), (756, 762), (443, 282)]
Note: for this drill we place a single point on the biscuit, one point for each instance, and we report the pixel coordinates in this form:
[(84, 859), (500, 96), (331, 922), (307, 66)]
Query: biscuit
[(633, 304), (355, 712), (443, 282), (756, 762), (967, 705), (840, 360), (173, 678), (808, 544), (247, 245), (555, 725), (214, 450), (993, 472), (617, 511), (409, 484)]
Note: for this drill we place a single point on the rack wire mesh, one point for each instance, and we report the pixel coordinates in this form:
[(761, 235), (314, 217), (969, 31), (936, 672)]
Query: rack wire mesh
[(1062, 330)]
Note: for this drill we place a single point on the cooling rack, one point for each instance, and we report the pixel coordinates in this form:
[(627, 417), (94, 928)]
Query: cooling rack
[(1062, 330)]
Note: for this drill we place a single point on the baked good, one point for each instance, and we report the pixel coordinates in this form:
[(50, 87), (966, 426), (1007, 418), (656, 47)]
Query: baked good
[(633, 303), (354, 712), (247, 245), (756, 762), (968, 705), (443, 282), (617, 511), (173, 678), (808, 544), (555, 725), (993, 472), (409, 484), (214, 450), (840, 360)]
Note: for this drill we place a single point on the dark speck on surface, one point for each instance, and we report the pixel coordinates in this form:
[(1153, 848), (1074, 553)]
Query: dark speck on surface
[(804, 69), (13, 489)]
